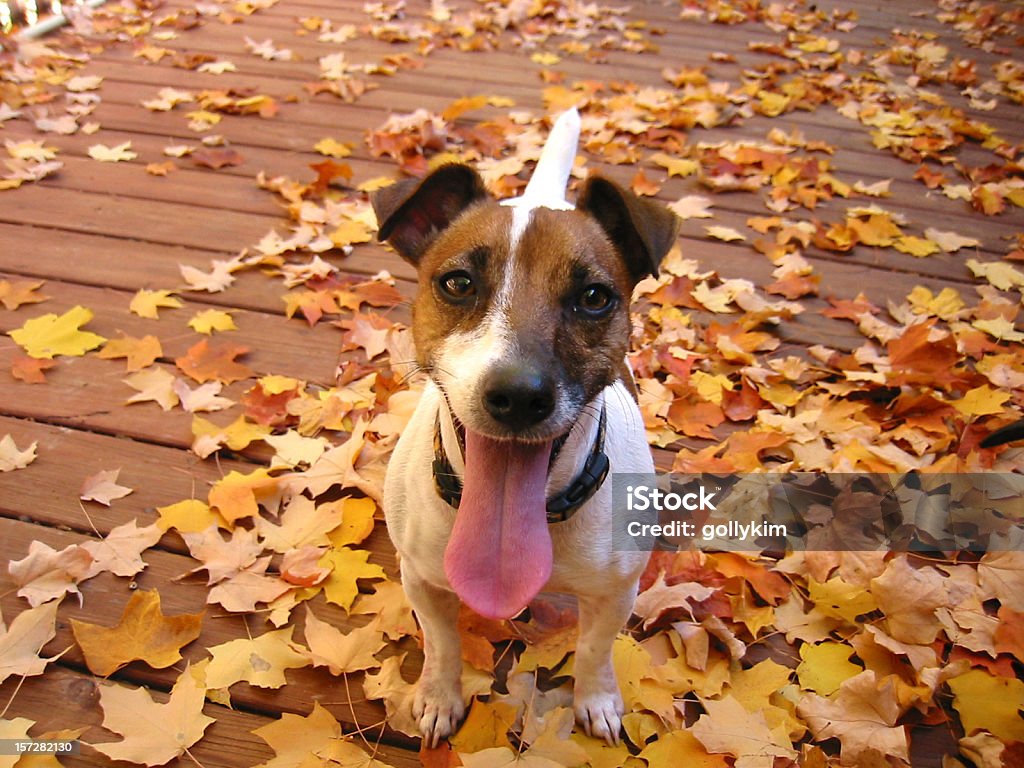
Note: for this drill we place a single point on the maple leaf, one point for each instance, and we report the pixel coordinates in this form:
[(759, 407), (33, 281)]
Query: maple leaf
[(302, 523), (146, 303), (241, 593), (357, 521), (368, 331), (218, 279), (260, 661), (116, 154), (205, 362), (138, 353), (333, 148), (154, 384), (21, 642), (388, 684), (15, 293), (237, 495), (824, 666), (205, 397), (12, 458), (102, 487), (316, 739), (188, 516), (209, 320), (692, 207), (119, 552), (143, 633), (342, 653), (659, 597), (390, 609), (154, 733), (51, 335), (862, 715), (347, 567), (44, 573), (300, 567), (30, 370)]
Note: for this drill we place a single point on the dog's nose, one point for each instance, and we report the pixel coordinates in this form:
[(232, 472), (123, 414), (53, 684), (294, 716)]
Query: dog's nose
[(519, 396)]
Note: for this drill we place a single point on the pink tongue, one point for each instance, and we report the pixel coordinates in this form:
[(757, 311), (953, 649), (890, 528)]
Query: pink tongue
[(499, 554)]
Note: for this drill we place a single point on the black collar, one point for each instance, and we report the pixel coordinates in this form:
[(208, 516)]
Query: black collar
[(561, 506)]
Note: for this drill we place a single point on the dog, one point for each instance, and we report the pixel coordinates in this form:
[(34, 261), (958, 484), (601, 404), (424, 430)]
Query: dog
[(496, 488)]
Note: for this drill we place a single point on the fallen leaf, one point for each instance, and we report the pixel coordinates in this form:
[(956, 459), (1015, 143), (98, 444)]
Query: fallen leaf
[(12, 458), (205, 362), (139, 353), (21, 642), (14, 294), (153, 733), (147, 303), (154, 384), (341, 652), (143, 633), (260, 661), (209, 320), (52, 335), (102, 488), (116, 154)]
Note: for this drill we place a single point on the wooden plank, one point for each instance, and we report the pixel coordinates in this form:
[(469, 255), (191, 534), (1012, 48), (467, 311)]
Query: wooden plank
[(66, 698), (104, 598)]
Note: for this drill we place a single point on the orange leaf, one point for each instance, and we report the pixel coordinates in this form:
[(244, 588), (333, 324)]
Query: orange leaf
[(206, 362), (30, 369)]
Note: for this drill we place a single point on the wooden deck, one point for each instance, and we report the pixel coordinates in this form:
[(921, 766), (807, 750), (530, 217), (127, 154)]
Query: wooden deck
[(95, 233)]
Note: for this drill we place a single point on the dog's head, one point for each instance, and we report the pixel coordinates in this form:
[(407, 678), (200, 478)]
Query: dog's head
[(522, 316)]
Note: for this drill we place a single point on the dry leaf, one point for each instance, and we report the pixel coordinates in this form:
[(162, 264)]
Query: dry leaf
[(102, 487)]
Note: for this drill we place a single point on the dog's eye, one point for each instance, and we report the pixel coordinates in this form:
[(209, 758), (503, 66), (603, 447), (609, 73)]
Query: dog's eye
[(457, 286), (595, 300)]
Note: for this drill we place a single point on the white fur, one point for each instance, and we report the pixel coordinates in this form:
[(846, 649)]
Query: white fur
[(585, 562)]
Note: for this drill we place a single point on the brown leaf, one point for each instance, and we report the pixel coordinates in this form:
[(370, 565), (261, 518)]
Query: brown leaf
[(216, 158)]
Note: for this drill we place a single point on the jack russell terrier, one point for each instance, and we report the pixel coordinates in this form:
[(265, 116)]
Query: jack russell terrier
[(496, 488)]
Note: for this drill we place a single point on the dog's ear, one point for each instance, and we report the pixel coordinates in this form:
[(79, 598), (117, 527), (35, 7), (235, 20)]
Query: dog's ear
[(412, 213), (642, 230)]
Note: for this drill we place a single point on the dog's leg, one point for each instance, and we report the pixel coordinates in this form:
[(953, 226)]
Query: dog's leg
[(438, 702), (597, 700)]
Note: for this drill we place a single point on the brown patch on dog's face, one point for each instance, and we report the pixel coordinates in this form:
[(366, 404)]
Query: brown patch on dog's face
[(556, 301)]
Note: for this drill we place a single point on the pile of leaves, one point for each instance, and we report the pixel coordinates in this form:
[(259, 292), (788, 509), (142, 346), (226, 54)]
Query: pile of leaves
[(817, 658)]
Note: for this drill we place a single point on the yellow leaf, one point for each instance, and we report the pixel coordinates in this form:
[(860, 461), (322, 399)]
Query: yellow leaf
[(188, 516), (210, 320), (839, 599), (347, 567), (677, 748), (945, 306), (236, 495), (154, 384), (260, 661), (981, 401), (356, 522), (117, 154), (275, 384), (21, 642), (545, 59), (824, 666), (950, 242), (333, 148), (989, 703), (916, 246), (1002, 275), (143, 633), (146, 303), (676, 166), (999, 328), (711, 387), (49, 335), (486, 726), (772, 104)]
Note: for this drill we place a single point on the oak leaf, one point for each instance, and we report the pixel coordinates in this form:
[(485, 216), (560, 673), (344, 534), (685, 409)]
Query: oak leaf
[(143, 633), (154, 733), (51, 335)]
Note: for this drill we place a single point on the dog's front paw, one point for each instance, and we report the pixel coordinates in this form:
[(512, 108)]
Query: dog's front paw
[(600, 714), (438, 709)]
